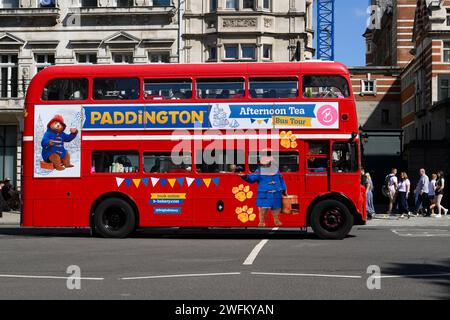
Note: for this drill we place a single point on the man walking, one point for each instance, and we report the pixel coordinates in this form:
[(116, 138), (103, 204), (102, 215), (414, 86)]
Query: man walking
[(422, 190)]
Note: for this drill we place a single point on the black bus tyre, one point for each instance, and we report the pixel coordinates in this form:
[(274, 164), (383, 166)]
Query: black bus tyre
[(114, 218), (331, 219)]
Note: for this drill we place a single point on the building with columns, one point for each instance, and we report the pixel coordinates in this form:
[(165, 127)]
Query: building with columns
[(35, 34)]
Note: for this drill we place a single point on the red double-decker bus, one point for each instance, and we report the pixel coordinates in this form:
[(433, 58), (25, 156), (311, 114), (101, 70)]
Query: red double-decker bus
[(120, 147)]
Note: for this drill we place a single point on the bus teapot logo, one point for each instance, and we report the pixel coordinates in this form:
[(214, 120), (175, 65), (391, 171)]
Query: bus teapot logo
[(327, 115)]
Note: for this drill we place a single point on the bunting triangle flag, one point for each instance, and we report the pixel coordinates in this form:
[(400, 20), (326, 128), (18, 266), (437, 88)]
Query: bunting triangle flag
[(154, 181), (172, 182), (180, 181), (145, 181), (163, 182), (119, 181), (198, 182), (259, 121), (266, 120), (252, 120), (189, 181), (207, 182), (128, 182), (137, 182), (215, 181)]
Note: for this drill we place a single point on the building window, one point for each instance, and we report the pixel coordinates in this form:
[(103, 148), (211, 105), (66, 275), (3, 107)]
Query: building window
[(267, 4), (231, 4), (213, 5), (88, 3), (212, 54), (231, 52), (87, 58), (9, 84), (368, 87), (444, 87), (122, 57), (368, 47), (248, 4), (43, 60), (47, 3), (161, 3), (448, 17), (267, 51), (9, 4), (446, 51), (248, 52), (385, 116), (8, 153), (159, 57), (125, 3)]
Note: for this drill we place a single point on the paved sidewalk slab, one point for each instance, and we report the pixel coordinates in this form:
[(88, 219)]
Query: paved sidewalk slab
[(10, 219)]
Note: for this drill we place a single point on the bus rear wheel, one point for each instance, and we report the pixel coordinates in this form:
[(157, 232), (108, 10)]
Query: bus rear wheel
[(114, 218), (331, 219)]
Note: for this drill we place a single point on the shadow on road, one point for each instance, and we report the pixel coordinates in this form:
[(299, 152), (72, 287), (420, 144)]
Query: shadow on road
[(180, 233), (437, 274)]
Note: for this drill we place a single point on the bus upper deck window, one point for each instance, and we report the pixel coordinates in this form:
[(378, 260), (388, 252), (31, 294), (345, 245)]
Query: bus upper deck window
[(261, 88), (168, 89), (223, 88), (116, 88), (65, 89), (331, 87)]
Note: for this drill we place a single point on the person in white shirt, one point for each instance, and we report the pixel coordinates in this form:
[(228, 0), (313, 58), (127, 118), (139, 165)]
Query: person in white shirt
[(404, 188)]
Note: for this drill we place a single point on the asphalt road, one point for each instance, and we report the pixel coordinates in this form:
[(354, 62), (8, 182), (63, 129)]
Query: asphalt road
[(227, 264)]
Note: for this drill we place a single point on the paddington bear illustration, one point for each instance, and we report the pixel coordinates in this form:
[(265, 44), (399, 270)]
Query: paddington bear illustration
[(53, 151)]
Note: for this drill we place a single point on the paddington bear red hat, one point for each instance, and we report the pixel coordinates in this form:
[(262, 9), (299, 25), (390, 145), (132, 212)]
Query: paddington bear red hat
[(57, 118)]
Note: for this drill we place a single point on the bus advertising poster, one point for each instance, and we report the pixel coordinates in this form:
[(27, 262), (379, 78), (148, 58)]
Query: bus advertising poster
[(57, 141)]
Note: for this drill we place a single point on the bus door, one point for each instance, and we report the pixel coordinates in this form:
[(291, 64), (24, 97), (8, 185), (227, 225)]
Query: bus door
[(317, 166), (345, 167)]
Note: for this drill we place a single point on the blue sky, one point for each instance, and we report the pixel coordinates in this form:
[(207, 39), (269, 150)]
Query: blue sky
[(350, 24)]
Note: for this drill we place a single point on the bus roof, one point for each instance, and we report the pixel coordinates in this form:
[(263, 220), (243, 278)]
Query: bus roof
[(205, 69)]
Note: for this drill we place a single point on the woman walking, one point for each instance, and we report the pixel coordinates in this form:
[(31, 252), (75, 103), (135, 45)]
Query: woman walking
[(404, 188), (440, 185), (369, 195)]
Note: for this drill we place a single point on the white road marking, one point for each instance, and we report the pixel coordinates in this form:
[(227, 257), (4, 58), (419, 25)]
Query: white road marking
[(431, 275), (307, 275), (252, 256), (421, 233), (47, 277), (183, 275)]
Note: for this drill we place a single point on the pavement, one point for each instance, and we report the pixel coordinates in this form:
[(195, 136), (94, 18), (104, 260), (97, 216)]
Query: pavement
[(228, 264)]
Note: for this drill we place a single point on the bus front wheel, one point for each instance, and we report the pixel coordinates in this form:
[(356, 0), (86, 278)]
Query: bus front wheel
[(331, 219), (114, 218)]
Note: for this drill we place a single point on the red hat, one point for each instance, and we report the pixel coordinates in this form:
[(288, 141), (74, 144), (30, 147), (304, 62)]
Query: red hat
[(57, 118)]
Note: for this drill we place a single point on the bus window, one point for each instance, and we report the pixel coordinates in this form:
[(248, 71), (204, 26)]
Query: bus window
[(115, 161), (287, 161), (261, 88), (166, 162), (168, 89), (65, 89), (317, 157), (116, 88), (345, 157), (325, 87), (220, 161), (223, 88)]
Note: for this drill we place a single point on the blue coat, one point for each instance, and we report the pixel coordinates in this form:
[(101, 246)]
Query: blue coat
[(58, 147), (266, 181)]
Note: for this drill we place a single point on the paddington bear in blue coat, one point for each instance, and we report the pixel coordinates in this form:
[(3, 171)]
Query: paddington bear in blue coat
[(53, 150)]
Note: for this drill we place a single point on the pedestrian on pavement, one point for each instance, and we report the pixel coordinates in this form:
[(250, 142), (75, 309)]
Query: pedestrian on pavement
[(390, 189), (368, 183), (422, 190), (440, 185), (404, 188), (431, 194)]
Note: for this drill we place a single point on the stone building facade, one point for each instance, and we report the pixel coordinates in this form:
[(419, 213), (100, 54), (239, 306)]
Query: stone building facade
[(38, 33)]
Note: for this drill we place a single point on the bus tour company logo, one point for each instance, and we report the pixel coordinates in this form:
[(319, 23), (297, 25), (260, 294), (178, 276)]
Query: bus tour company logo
[(327, 115)]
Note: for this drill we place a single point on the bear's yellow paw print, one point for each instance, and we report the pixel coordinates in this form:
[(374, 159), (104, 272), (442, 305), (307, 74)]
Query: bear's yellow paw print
[(245, 214), (242, 192), (288, 140)]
